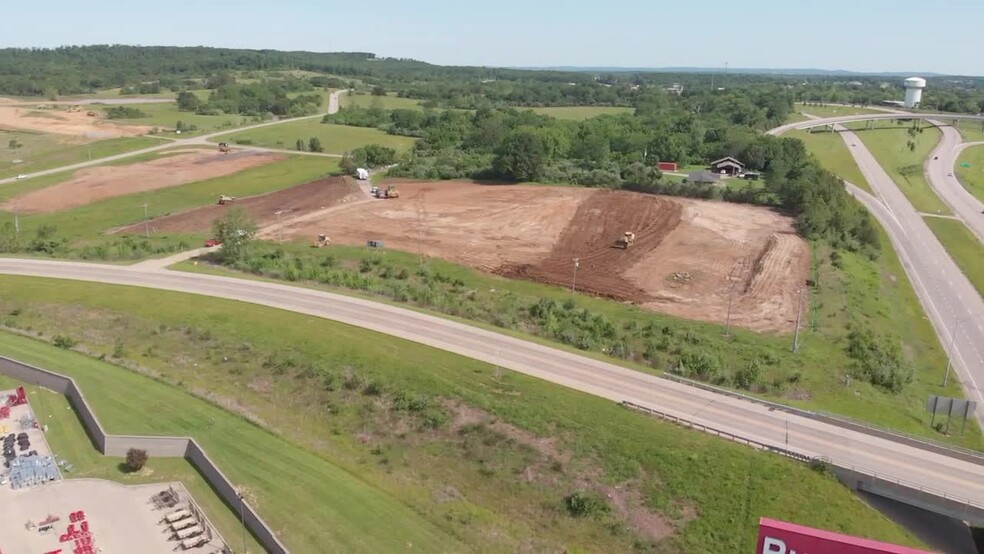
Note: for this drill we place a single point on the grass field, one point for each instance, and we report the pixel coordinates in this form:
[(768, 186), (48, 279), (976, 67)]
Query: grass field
[(796, 116), (834, 111), (388, 102), (166, 116), (370, 461), (335, 139), (46, 151), (579, 113), (68, 439), (905, 166), (833, 154), (86, 223), (972, 178), (971, 132), (963, 247)]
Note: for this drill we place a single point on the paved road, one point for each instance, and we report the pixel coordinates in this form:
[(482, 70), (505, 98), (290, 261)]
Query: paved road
[(869, 117), (941, 176), (950, 300), (193, 141), (746, 419)]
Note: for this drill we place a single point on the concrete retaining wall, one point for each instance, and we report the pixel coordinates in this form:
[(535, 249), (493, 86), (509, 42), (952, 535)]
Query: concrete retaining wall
[(162, 447)]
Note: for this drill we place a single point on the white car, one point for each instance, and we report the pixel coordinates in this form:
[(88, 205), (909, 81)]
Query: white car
[(22, 176), (949, 174)]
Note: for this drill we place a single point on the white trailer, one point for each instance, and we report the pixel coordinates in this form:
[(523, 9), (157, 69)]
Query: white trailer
[(362, 174), (184, 523), (177, 516), (190, 532)]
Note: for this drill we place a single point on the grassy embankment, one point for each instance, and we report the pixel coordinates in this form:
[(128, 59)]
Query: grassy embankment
[(335, 139), (388, 102), (40, 151), (890, 147), (830, 150), (972, 177), (963, 246), (166, 116), (377, 431)]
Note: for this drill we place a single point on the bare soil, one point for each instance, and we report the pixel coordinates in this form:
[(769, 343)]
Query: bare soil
[(60, 121), (691, 258), (99, 183)]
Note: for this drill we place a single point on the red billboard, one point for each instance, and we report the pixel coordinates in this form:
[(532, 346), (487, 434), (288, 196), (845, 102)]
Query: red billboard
[(779, 537)]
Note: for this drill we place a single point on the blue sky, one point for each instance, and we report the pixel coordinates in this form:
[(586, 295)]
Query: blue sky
[(868, 35)]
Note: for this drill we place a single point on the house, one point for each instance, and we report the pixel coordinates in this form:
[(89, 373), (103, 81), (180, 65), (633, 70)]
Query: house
[(703, 178), (727, 166)]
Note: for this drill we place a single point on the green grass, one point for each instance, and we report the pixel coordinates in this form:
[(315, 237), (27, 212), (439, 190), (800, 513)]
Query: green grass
[(833, 154), (796, 117), (812, 379), (360, 468), (971, 131), (166, 116), (972, 178), (388, 102), (835, 111), (963, 247), (44, 151), (67, 438), (335, 139), (579, 113), (86, 223), (905, 166)]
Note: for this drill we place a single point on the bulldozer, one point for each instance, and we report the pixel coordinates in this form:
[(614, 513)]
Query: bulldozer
[(323, 241), (390, 192), (223, 199), (626, 240), (224, 147)]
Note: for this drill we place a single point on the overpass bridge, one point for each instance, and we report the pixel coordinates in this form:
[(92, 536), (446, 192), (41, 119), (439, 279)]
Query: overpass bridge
[(953, 119)]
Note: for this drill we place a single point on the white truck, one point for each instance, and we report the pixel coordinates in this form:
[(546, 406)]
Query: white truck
[(362, 174)]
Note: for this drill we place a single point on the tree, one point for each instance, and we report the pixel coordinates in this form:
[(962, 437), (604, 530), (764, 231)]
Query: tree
[(378, 91), (521, 157), (299, 145), (314, 145), (235, 230), (14, 144), (135, 459), (188, 102)]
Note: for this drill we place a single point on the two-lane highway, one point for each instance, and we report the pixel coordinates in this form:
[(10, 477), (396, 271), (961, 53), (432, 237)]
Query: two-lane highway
[(957, 478)]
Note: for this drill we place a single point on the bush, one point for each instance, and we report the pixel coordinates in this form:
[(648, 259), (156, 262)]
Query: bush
[(124, 112), (698, 364), (878, 361), (62, 341), (748, 376), (585, 504), (135, 459)]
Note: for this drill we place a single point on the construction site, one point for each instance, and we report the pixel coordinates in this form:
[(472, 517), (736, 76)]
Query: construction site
[(690, 258), (62, 119)]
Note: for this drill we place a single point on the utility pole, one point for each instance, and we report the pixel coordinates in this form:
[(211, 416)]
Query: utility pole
[(577, 263), (90, 153), (280, 227), (799, 313), (16, 222), (949, 353), (146, 221)]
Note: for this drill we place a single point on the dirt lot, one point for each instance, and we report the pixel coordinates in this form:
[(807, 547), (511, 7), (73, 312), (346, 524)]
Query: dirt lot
[(688, 254), (62, 122), (98, 183)]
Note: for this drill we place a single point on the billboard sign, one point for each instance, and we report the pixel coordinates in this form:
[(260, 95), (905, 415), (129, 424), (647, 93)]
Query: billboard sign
[(779, 537)]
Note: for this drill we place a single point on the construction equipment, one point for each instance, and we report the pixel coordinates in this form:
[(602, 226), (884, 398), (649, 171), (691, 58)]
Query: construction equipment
[(91, 114), (224, 147), (390, 192), (626, 240), (323, 241), (223, 199)]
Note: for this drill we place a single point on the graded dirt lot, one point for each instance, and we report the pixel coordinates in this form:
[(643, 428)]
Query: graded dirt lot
[(98, 183), (688, 254), (60, 121)]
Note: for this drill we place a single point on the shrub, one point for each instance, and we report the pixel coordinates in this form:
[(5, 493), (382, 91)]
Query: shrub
[(135, 459), (66, 342), (584, 504), (748, 376)]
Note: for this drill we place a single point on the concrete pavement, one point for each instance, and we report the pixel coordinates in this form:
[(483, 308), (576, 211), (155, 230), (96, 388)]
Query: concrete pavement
[(333, 107), (942, 177), (752, 421)]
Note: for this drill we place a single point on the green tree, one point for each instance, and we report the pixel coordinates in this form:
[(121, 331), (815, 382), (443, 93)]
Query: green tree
[(299, 145), (188, 102), (235, 230), (14, 144), (314, 145), (135, 459), (378, 90), (521, 157)]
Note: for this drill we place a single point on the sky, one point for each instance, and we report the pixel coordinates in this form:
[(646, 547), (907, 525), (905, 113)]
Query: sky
[(940, 36)]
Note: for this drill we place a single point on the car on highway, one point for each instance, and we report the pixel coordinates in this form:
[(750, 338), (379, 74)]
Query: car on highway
[(949, 174), (21, 176)]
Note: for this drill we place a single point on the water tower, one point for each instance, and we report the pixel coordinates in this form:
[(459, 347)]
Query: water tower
[(913, 91)]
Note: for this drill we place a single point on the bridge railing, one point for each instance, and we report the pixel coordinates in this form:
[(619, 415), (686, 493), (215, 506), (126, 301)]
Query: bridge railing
[(966, 503), (953, 451)]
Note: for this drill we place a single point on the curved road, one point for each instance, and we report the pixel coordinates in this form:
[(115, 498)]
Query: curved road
[(194, 141), (940, 171)]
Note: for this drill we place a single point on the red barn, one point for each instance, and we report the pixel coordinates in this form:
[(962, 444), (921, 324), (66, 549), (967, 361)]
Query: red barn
[(667, 166)]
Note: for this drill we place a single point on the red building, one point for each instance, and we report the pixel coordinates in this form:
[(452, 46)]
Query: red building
[(667, 166)]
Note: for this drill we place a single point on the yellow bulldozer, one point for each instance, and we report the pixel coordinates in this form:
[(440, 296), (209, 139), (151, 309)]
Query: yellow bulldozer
[(390, 192), (224, 147), (323, 241), (223, 199), (626, 240)]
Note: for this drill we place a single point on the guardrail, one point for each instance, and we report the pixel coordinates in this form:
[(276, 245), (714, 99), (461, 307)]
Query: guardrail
[(930, 445), (165, 447), (966, 505)]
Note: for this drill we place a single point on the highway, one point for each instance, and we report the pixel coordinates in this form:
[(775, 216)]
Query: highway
[(956, 478), (193, 141), (942, 177)]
